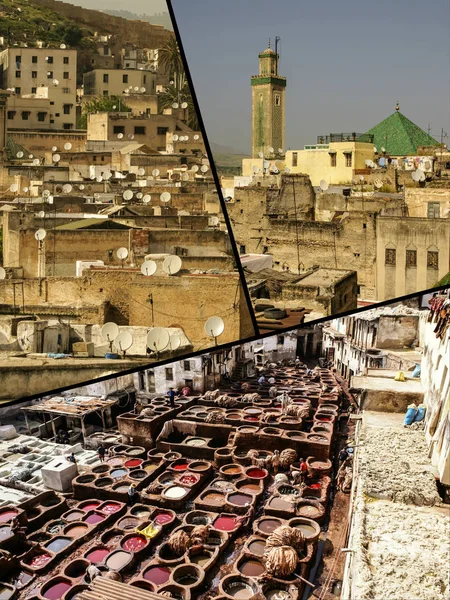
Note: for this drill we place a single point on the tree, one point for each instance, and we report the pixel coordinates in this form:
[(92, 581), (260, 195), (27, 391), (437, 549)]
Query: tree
[(169, 57), (102, 104), (179, 92)]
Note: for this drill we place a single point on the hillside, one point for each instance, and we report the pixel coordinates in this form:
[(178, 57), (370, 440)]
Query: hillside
[(162, 19)]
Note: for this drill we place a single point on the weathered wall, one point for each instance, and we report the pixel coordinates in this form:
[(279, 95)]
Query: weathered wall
[(39, 142), (396, 333), (417, 200)]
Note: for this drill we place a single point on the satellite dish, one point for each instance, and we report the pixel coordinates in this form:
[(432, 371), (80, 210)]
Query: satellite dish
[(56, 158), (63, 46), (67, 188), (271, 150), (172, 264), (375, 150), (155, 172), (122, 253), (19, 154), (120, 136), (46, 193), (176, 177), (175, 137), (30, 156), (184, 105), (36, 161), (415, 175), (123, 341), (136, 89), (40, 234), (165, 197), (175, 341), (421, 175), (146, 199), (214, 326), (195, 168), (186, 137), (14, 187), (261, 154), (185, 177), (148, 268), (142, 90), (127, 195), (55, 82), (214, 221), (175, 105), (367, 162), (3, 274), (204, 168), (378, 183), (196, 137), (361, 178), (99, 179), (81, 187), (139, 195), (130, 136), (383, 149), (280, 151), (323, 185), (107, 175), (25, 189), (141, 171), (54, 149), (68, 146), (158, 339), (109, 332), (41, 214)]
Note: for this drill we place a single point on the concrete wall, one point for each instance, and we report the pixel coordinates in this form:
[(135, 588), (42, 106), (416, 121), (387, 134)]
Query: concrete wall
[(418, 199), (396, 333), (41, 142)]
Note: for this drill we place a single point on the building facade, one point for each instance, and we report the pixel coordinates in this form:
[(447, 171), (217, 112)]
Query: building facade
[(114, 82)]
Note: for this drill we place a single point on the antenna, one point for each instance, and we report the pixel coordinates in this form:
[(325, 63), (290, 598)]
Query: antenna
[(172, 264), (158, 339), (214, 327), (123, 341), (323, 185), (122, 253), (109, 332), (148, 268)]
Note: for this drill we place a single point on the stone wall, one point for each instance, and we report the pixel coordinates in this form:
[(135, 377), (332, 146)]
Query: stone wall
[(417, 200), (396, 333)]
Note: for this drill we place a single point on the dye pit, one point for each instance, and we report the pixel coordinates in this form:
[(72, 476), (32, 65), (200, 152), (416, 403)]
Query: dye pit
[(208, 465)]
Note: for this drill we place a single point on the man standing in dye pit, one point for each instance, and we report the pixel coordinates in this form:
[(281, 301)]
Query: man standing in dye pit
[(171, 393)]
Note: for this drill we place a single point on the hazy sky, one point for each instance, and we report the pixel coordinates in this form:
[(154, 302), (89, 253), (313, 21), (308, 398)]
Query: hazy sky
[(347, 62), (147, 7)]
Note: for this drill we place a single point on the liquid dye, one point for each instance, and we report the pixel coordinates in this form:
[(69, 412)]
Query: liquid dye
[(252, 568), (214, 498), (257, 473), (180, 467), (268, 525), (157, 575), (225, 523), (74, 515), (58, 544), (94, 518), (117, 560), (110, 508), (7, 515), (76, 531), (22, 579), (240, 499), (5, 592), (116, 473), (89, 506), (57, 590), (134, 544), (97, 556), (201, 559), (189, 479), (5, 532), (134, 462), (39, 560), (163, 518), (257, 547)]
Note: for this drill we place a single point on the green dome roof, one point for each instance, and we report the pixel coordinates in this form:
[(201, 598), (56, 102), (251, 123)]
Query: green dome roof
[(400, 136)]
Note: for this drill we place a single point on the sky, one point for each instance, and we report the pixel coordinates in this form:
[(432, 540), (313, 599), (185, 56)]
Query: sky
[(347, 63), (146, 7)]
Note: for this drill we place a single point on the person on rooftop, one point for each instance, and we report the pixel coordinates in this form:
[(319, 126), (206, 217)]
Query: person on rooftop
[(101, 453), (172, 393)]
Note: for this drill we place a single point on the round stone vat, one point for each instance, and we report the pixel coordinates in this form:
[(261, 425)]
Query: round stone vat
[(76, 529), (199, 466), (97, 554), (225, 523), (180, 464), (89, 505), (143, 585), (110, 508), (128, 523), (202, 557), (94, 517), (276, 591), (55, 588), (118, 560), (322, 466), (250, 567), (256, 473), (176, 591), (170, 456), (238, 587), (296, 435), (73, 593), (190, 576), (240, 499), (8, 514), (138, 474), (212, 498), (76, 568), (57, 544), (134, 542), (309, 528), (157, 574), (101, 469), (249, 487), (166, 555), (189, 479), (271, 431), (174, 492), (133, 463), (141, 511), (163, 517), (312, 509), (118, 472), (88, 478), (266, 525), (197, 517), (231, 471), (257, 546), (103, 482), (7, 592)]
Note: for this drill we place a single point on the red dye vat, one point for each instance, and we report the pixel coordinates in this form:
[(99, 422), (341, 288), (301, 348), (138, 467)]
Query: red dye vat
[(180, 467), (90, 506), (251, 419), (133, 462), (94, 518), (257, 473), (189, 479), (225, 523), (163, 518), (7, 515), (323, 418), (315, 486), (134, 544), (97, 555), (157, 575), (56, 591), (110, 508), (39, 560)]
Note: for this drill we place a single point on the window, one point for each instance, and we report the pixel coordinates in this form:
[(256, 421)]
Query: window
[(66, 90), (56, 114), (138, 130), (277, 100), (118, 129), (241, 249), (18, 59), (411, 258), (124, 78), (34, 59), (169, 374), (145, 78), (105, 92), (17, 91), (66, 60), (332, 159), (25, 115), (187, 365), (105, 78), (66, 109), (434, 210), (50, 60), (280, 340), (66, 75), (294, 159), (162, 130), (33, 90), (390, 256), (348, 159), (33, 74), (432, 260), (41, 116), (49, 74), (18, 73), (11, 114), (67, 125)]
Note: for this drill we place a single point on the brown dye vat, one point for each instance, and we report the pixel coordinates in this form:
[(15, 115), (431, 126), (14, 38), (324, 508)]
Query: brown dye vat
[(240, 499), (143, 585), (276, 593), (188, 575), (128, 523), (308, 527), (279, 503), (177, 592), (213, 498), (120, 488), (231, 470), (85, 479), (104, 482), (76, 568), (199, 466), (250, 488), (268, 525), (140, 511), (239, 588), (76, 530), (101, 469), (201, 558), (115, 461), (251, 568), (257, 547), (197, 517), (138, 474), (117, 560)]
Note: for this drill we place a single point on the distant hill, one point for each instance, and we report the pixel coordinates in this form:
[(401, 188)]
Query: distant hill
[(228, 160), (157, 19)]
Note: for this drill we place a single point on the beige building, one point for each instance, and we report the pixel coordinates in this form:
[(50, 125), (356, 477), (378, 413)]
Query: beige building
[(114, 82), (428, 202), (48, 73), (49, 108)]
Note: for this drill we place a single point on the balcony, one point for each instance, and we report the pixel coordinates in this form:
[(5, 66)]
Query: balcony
[(345, 137)]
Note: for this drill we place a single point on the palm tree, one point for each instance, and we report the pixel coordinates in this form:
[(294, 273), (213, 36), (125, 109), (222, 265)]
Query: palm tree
[(169, 57), (173, 94)]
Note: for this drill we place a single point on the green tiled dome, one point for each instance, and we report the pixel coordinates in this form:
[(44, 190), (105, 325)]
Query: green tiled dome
[(400, 136)]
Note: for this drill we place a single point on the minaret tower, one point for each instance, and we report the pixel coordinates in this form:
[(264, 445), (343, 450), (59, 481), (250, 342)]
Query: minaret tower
[(268, 90)]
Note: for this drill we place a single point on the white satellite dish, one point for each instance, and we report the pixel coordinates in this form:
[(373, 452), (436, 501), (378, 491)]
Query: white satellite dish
[(271, 150), (46, 193), (63, 46), (14, 187), (107, 175), (378, 183), (196, 137), (367, 162), (185, 177), (41, 214), (261, 154), (123, 341), (136, 89), (68, 146), (158, 339), (204, 168), (131, 136), (155, 172), (30, 156), (148, 268), (421, 175), (287, 170), (214, 221), (141, 171), (2, 273), (146, 199), (415, 176), (280, 151), (165, 197), (361, 178), (36, 161), (127, 195), (40, 234), (175, 105), (186, 137), (122, 253), (323, 185), (195, 168), (383, 149), (375, 150), (67, 188), (142, 90), (175, 138), (56, 158), (99, 179), (25, 190), (172, 264), (175, 341), (55, 82), (184, 105), (54, 148), (255, 169), (109, 332), (120, 136), (214, 327), (19, 154), (81, 187), (139, 195)]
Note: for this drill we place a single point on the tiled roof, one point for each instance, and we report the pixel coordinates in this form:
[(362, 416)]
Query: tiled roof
[(400, 136)]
